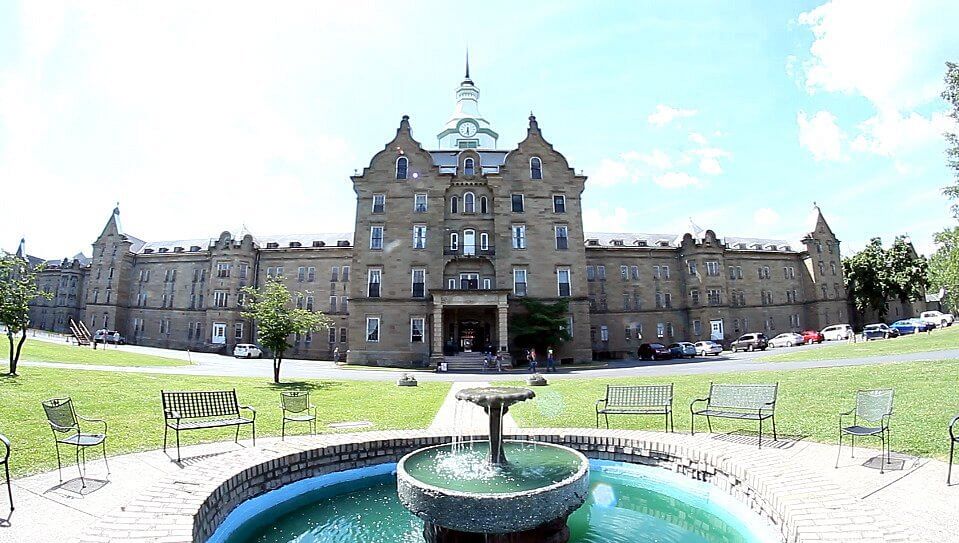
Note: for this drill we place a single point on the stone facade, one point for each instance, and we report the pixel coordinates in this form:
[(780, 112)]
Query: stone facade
[(447, 243)]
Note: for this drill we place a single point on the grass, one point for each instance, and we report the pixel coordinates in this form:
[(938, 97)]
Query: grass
[(808, 404), (914, 343), (45, 351), (130, 403)]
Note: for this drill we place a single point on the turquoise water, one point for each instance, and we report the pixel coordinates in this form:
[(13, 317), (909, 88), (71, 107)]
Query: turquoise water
[(627, 503), (529, 466)]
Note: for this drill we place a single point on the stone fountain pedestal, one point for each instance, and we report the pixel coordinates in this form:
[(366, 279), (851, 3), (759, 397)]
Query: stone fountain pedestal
[(554, 531)]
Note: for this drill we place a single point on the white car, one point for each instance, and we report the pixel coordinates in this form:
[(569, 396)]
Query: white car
[(788, 339), (837, 332), (247, 350), (704, 348), (936, 318)]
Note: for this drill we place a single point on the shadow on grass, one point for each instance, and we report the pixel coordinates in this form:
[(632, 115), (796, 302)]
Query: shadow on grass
[(312, 386)]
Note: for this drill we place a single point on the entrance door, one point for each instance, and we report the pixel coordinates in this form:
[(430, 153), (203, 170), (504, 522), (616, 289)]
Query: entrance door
[(716, 330), (469, 242), (219, 333)]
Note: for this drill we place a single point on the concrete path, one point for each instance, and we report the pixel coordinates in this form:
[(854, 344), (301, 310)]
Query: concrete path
[(465, 418)]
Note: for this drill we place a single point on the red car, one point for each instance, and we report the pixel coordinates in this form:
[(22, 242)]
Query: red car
[(812, 336)]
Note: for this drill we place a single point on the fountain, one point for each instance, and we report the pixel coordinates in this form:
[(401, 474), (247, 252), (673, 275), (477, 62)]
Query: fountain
[(496, 490)]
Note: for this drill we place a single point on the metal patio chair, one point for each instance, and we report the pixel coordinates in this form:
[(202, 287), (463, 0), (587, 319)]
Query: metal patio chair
[(870, 418), (65, 424), (6, 466), (953, 439), (297, 408)]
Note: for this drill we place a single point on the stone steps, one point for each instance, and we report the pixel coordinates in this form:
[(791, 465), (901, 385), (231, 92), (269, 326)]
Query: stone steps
[(465, 362)]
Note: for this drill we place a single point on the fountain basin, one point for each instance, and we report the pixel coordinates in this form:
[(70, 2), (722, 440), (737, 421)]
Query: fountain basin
[(456, 488)]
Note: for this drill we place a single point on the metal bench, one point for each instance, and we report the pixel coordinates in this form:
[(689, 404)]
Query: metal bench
[(637, 400), (742, 402), (953, 439), (203, 409)]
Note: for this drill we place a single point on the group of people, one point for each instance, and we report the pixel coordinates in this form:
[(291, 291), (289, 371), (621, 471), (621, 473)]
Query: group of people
[(550, 361), (491, 359)]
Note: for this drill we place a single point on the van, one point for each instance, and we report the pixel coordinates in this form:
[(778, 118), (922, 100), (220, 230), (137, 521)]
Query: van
[(837, 332)]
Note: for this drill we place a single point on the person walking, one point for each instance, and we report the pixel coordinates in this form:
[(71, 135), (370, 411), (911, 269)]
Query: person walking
[(532, 360), (550, 362), (499, 362)]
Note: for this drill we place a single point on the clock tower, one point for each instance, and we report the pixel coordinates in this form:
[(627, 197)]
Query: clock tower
[(466, 128)]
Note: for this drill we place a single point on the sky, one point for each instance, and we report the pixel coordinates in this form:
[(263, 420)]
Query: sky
[(200, 117)]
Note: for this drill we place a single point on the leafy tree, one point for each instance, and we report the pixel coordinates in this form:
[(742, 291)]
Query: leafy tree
[(277, 318), (18, 287), (874, 274), (908, 273), (944, 267), (951, 95), (543, 324)]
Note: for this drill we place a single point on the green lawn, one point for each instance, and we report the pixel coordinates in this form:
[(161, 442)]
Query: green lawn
[(46, 351), (130, 403), (927, 397), (938, 340)]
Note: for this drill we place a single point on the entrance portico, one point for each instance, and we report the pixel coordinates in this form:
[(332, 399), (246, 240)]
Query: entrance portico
[(469, 320)]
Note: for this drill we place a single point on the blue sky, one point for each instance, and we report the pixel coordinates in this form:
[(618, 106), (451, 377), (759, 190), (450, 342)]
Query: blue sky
[(204, 117)]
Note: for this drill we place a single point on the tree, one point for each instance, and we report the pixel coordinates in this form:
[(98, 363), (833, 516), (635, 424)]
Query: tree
[(272, 309), (908, 273), (542, 325), (944, 267), (18, 287), (951, 95), (874, 274)]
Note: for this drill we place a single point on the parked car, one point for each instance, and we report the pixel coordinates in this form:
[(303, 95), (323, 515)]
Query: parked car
[(654, 351), (682, 349), (750, 342), (707, 347), (879, 331), (837, 332), (937, 318), (812, 336), (247, 350), (109, 336), (923, 325), (907, 326), (787, 339)]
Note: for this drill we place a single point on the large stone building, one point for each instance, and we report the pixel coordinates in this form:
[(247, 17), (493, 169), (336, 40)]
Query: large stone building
[(445, 244)]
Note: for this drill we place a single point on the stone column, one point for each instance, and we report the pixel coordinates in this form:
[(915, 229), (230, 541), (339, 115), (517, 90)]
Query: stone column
[(502, 331), (437, 355)]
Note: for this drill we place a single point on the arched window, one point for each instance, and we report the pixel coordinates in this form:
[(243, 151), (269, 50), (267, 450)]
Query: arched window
[(454, 204), (535, 168), (468, 168), (484, 241), (484, 205), (402, 167), (454, 241), (469, 203)]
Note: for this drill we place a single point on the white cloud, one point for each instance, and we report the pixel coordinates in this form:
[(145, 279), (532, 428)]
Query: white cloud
[(697, 138), (821, 135), (710, 166), (657, 158), (665, 114), (611, 173), (601, 220), (709, 159), (765, 217), (890, 133), (677, 180)]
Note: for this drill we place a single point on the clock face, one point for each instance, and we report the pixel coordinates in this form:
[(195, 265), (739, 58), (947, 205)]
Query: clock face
[(467, 129)]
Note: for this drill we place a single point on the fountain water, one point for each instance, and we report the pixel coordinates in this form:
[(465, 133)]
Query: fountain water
[(496, 490)]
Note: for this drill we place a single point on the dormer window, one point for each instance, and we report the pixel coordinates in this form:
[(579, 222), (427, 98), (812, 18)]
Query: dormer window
[(178, 249), (343, 243), (402, 167), (468, 167), (592, 242), (616, 243), (272, 245), (535, 168), (147, 251), (663, 243), (318, 244), (163, 250), (194, 248), (295, 244), (642, 243)]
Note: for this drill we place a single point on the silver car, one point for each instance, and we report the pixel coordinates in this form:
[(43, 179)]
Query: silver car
[(704, 348), (788, 339), (247, 350)]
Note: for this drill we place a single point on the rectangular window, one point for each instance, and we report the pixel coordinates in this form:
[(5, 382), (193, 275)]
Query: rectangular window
[(223, 269), (373, 284), (238, 331), (346, 274), (694, 296), (332, 304), (518, 203), (519, 236), (601, 273), (487, 283), (692, 267), (373, 329), (667, 300), (220, 298), (562, 280), (559, 203), (311, 273), (309, 303), (334, 273), (301, 274), (628, 334), (590, 273), (713, 296), (269, 273), (569, 326), (332, 335), (376, 237), (417, 326), (634, 272), (656, 274), (625, 302), (419, 283), (519, 281), (732, 272), (665, 271), (562, 238), (660, 329), (379, 203), (712, 268), (624, 272), (419, 203), (603, 333), (697, 328), (419, 236)]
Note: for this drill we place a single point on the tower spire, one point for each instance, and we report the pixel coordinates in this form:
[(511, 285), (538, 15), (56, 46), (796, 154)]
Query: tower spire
[(467, 64)]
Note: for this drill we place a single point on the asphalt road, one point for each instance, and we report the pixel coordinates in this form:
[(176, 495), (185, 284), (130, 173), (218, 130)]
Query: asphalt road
[(219, 365)]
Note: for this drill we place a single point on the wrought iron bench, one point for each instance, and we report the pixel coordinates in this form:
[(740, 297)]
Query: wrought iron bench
[(203, 409), (637, 400), (6, 466), (742, 402), (953, 439)]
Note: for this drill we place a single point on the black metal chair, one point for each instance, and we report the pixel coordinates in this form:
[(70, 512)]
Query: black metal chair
[(296, 408), (870, 418), (953, 439), (6, 466), (65, 424)]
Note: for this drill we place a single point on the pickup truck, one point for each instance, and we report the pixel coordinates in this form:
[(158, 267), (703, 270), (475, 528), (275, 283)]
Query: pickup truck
[(937, 318)]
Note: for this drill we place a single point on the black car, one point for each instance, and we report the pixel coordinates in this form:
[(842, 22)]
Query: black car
[(654, 351)]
